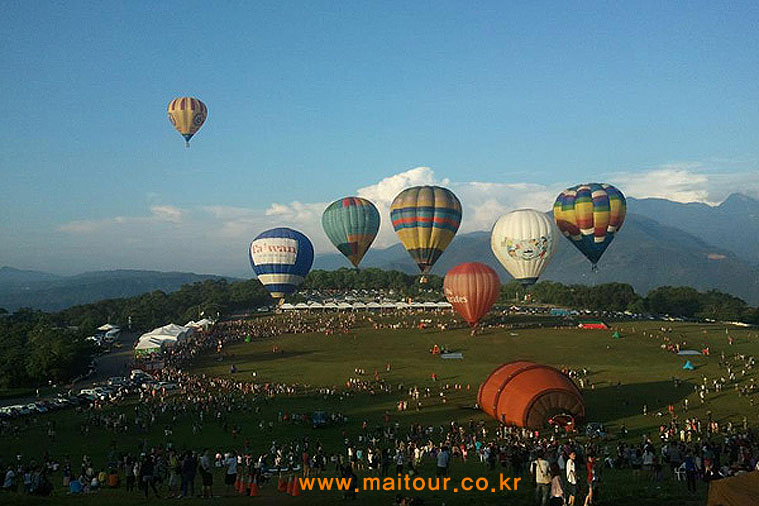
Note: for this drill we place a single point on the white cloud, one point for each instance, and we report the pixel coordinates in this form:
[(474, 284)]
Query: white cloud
[(214, 238), (167, 213), (687, 182), (673, 183), (158, 215)]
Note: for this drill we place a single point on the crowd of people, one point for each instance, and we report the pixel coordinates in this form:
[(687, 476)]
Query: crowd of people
[(563, 468)]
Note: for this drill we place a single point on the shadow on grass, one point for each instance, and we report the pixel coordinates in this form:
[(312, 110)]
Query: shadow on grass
[(609, 403), (257, 358)]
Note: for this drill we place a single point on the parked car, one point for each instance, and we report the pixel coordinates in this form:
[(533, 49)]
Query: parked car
[(118, 381)]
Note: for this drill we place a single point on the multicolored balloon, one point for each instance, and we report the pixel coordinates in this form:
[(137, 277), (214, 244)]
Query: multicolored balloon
[(187, 114), (472, 289), (351, 223), (524, 242), (281, 258), (426, 218), (590, 215)]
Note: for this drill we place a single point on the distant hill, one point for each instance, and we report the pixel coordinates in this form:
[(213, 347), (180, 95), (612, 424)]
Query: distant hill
[(733, 225), (49, 292), (24, 280), (645, 254)]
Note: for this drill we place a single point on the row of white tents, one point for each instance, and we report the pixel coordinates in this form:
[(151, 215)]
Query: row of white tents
[(361, 306), (169, 335)]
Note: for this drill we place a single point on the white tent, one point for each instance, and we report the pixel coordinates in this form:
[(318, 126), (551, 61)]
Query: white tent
[(316, 305), (430, 305), (359, 305), (401, 305), (108, 326), (330, 305), (175, 330), (443, 305), (205, 323), (148, 345), (344, 306), (374, 305), (417, 305), (388, 305), (301, 305), (287, 307), (168, 335)]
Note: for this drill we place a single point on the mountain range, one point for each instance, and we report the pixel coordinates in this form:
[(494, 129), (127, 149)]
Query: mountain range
[(42, 290), (661, 243)]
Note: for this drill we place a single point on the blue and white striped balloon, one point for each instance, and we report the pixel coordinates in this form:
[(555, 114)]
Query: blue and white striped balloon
[(281, 258)]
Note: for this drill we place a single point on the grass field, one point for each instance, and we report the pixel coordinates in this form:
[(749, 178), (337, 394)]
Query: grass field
[(626, 373)]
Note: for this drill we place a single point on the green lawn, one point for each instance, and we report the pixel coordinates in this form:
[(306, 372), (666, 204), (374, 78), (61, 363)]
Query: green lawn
[(644, 370)]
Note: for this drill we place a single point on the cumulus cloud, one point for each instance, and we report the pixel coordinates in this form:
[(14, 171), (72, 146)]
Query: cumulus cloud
[(219, 234), (688, 182), (681, 184)]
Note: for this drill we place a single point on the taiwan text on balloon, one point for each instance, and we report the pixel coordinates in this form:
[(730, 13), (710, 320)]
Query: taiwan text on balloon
[(281, 259)]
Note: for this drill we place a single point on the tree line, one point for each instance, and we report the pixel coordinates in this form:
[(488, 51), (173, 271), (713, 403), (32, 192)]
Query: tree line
[(680, 301), (39, 346)]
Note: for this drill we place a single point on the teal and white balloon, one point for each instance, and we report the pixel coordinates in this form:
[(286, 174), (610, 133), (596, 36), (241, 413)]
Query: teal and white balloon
[(524, 242)]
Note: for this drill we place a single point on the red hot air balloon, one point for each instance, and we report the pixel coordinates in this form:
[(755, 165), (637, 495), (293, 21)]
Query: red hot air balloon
[(472, 288)]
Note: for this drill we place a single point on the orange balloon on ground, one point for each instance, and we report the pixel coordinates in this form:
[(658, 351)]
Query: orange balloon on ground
[(527, 394), (472, 289)]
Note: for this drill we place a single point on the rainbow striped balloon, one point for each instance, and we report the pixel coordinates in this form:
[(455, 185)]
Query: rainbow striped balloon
[(351, 223), (187, 114), (590, 215), (426, 218)]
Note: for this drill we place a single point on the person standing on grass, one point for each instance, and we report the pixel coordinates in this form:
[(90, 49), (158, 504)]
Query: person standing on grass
[(690, 471), (557, 491), (187, 470), (231, 475), (148, 479), (443, 457), (592, 479), (174, 463), (206, 473), (540, 469), (572, 477)]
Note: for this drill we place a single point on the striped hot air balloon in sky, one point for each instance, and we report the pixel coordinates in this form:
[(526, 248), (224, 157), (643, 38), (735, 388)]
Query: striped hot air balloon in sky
[(426, 218), (590, 215), (187, 114), (351, 223), (281, 258)]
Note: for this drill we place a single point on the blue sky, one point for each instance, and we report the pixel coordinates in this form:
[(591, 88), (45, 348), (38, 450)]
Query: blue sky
[(310, 101)]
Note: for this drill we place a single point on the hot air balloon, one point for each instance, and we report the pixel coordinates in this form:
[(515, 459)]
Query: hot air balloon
[(187, 114), (524, 242), (590, 215), (281, 258), (472, 289), (426, 218), (351, 223)]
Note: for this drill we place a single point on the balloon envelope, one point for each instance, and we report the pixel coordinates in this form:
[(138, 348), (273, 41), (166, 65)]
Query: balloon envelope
[(187, 114), (426, 218), (590, 215), (472, 289), (351, 223), (524, 242), (281, 258)]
